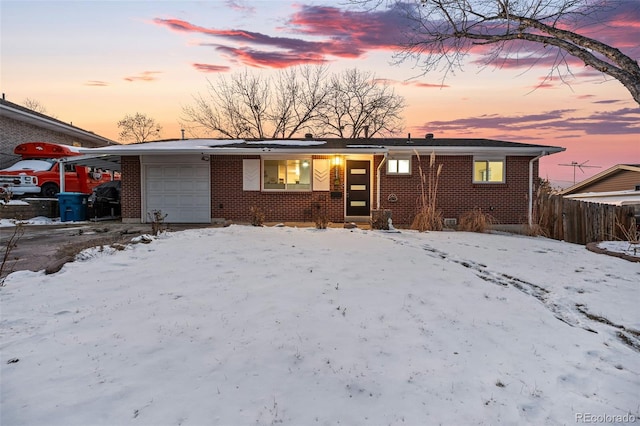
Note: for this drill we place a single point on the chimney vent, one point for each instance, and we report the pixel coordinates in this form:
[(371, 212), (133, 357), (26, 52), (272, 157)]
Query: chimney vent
[(308, 135), (428, 136)]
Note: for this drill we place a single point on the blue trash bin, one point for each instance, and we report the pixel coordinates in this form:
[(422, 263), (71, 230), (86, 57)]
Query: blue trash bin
[(73, 206)]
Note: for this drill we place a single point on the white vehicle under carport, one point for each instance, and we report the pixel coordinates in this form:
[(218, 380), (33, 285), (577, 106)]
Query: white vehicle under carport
[(20, 179)]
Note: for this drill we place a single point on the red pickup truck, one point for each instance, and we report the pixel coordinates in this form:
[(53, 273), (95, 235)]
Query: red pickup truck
[(38, 172)]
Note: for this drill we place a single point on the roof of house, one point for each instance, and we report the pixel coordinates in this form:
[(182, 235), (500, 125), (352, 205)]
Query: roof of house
[(328, 145), (600, 177), (26, 115), (108, 157)]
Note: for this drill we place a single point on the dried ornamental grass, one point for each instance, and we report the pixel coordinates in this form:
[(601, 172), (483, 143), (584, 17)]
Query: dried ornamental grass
[(428, 217), (475, 221)]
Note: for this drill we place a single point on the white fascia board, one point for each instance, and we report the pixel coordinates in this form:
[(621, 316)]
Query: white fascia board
[(229, 151), (480, 150), (339, 151)]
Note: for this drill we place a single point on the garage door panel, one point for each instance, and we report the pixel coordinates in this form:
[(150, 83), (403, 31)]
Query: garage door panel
[(182, 192), (155, 186), (201, 186), (171, 172), (172, 186)]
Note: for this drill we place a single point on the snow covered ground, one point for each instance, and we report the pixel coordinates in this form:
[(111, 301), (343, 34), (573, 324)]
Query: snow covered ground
[(277, 325)]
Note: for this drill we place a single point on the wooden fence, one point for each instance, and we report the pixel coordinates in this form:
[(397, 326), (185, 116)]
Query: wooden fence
[(581, 222)]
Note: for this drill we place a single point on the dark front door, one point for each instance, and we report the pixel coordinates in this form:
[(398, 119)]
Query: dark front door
[(358, 194)]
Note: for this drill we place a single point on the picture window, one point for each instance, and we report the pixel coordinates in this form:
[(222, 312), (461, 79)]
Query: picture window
[(287, 175)]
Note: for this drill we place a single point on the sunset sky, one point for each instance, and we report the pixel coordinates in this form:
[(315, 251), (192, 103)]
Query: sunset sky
[(92, 62)]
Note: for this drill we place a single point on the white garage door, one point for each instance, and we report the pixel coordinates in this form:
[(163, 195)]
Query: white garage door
[(181, 191)]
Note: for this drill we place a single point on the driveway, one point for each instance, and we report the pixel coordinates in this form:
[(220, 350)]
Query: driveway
[(50, 246)]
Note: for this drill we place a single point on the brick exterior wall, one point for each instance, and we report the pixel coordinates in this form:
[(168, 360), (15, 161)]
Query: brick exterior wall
[(230, 202), (506, 202), (131, 192), (15, 132)]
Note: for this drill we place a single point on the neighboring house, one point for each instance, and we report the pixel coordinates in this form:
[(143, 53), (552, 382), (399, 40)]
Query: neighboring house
[(19, 124), (203, 181), (621, 177), (618, 185)]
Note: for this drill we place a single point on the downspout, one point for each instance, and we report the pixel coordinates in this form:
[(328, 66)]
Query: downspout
[(530, 212), (384, 160)]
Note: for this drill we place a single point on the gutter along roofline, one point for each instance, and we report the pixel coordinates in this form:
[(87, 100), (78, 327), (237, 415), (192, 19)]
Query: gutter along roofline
[(241, 147)]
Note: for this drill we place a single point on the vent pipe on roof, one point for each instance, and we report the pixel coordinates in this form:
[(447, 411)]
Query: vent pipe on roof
[(409, 138), (366, 132)]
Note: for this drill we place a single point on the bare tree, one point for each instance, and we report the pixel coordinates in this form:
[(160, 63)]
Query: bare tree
[(443, 33), (298, 95), (138, 128), (234, 107), (255, 106), (358, 106), (37, 106)]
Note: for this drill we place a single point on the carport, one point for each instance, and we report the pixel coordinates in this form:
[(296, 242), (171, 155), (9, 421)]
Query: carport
[(103, 205), (101, 161)]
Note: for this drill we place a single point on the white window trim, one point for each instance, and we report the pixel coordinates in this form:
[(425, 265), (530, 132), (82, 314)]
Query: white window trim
[(396, 158), (503, 160), (286, 158)]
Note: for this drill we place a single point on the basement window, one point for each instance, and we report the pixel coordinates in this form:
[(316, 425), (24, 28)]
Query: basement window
[(287, 175), (488, 170), (399, 166)]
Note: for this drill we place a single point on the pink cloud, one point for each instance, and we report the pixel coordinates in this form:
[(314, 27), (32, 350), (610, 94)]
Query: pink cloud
[(143, 76), (263, 59), (350, 34), (240, 6), (97, 83), (211, 68), (411, 83), (345, 35), (561, 123)]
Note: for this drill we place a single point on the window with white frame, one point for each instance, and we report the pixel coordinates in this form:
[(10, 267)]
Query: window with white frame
[(399, 166), (287, 175), (488, 170)]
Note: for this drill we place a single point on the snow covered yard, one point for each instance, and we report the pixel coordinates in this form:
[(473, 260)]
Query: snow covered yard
[(242, 325)]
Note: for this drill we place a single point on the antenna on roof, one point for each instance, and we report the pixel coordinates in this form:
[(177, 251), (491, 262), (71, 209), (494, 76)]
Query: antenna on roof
[(577, 165)]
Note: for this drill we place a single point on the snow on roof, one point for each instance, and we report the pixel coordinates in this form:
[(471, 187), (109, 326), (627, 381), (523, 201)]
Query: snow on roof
[(288, 142), (180, 144), (616, 198), (211, 146)]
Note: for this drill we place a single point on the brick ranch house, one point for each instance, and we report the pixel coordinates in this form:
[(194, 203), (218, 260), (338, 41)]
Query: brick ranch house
[(207, 180)]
